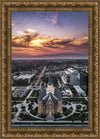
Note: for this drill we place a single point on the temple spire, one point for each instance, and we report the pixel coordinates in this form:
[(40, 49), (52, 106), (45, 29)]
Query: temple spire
[(49, 82)]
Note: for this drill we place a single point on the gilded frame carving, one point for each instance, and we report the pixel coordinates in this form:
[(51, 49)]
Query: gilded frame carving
[(5, 60)]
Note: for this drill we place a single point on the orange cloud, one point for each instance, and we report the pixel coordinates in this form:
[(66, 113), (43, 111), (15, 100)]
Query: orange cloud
[(31, 43)]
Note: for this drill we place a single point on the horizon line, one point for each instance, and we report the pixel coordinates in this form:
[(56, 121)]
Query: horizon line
[(50, 59)]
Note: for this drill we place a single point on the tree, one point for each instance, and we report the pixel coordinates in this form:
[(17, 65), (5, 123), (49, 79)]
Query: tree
[(14, 109), (68, 111), (43, 115), (30, 106), (23, 107), (83, 117), (14, 103), (78, 106), (72, 118), (34, 112), (57, 115)]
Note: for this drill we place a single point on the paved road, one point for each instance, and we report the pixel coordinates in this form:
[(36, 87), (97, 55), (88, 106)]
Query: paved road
[(53, 122), (34, 125), (18, 106), (24, 102), (41, 124), (42, 72)]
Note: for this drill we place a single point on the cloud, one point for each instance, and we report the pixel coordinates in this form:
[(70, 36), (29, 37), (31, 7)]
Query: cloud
[(67, 44), (32, 43), (85, 38), (24, 38), (13, 25), (27, 31), (14, 44), (51, 17)]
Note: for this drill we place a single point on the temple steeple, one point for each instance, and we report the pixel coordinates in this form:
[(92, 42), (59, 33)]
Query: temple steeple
[(50, 88), (50, 82)]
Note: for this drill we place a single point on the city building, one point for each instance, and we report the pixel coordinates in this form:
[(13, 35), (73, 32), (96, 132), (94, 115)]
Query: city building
[(71, 76), (23, 79), (84, 81), (79, 90), (68, 93), (50, 100)]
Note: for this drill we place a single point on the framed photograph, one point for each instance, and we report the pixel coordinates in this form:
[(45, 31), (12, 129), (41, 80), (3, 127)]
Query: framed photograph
[(49, 75)]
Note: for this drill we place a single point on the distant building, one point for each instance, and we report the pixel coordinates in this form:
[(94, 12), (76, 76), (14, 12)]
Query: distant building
[(71, 76), (84, 81), (50, 100), (23, 79), (79, 90), (68, 92)]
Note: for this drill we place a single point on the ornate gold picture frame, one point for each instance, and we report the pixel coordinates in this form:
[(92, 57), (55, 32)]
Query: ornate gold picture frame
[(93, 8)]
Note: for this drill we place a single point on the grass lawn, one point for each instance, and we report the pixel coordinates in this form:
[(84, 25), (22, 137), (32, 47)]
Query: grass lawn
[(35, 93)]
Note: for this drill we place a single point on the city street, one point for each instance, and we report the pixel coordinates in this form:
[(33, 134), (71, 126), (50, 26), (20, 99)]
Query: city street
[(39, 77)]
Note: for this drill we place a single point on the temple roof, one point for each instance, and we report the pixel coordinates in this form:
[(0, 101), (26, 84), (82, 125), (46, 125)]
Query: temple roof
[(51, 97), (58, 94), (42, 93), (44, 96)]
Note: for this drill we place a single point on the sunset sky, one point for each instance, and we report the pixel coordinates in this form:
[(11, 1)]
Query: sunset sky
[(49, 35)]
